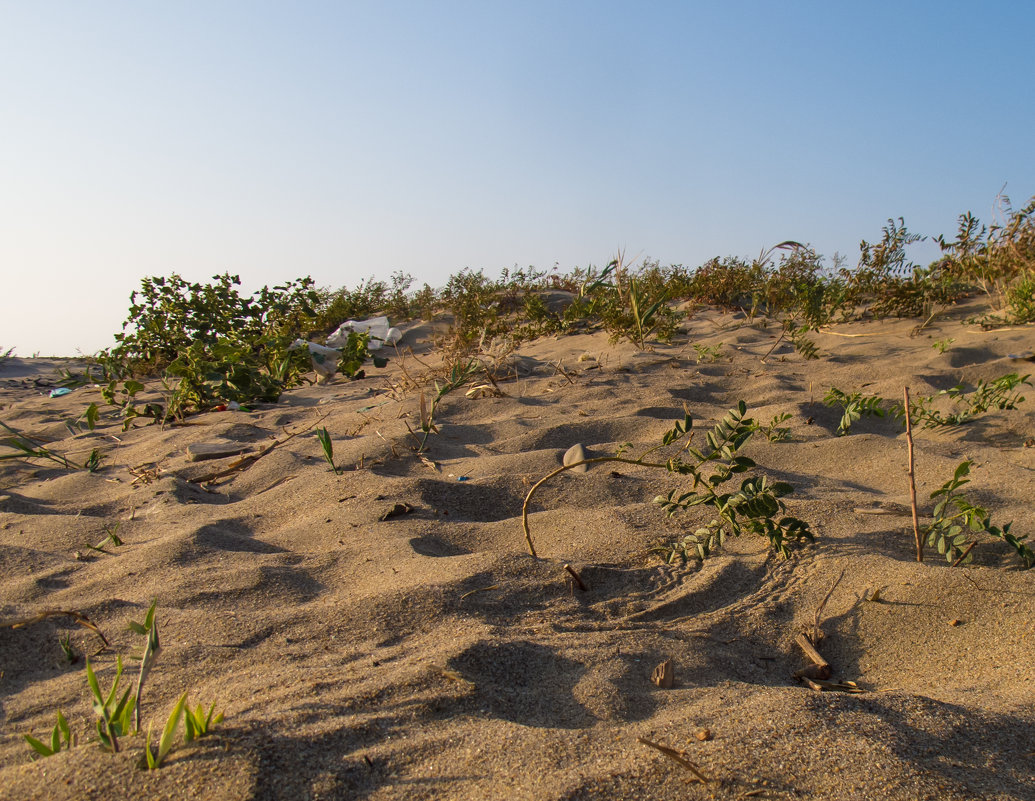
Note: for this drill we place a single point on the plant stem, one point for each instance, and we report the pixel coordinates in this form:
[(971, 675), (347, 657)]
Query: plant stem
[(558, 471), (962, 556), (779, 339), (912, 479)]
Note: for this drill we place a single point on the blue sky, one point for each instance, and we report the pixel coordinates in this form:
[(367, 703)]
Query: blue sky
[(347, 140)]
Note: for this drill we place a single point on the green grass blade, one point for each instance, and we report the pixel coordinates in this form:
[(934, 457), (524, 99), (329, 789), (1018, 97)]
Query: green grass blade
[(169, 732), (39, 747)]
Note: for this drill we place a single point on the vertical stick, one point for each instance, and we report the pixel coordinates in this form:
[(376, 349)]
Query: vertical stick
[(912, 480)]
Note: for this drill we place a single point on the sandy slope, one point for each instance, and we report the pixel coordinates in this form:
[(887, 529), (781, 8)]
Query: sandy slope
[(429, 656)]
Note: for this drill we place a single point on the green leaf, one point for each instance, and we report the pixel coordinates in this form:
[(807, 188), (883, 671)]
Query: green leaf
[(165, 744), (95, 688), (63, 726), (39, 747)]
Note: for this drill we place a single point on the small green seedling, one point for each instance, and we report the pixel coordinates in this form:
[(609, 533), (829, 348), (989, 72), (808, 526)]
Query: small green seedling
[(60, 734), (154, 759), (942, 345), (458, 376), (707, 353), (198, 723), (68, 649), (854, 407), (774, 432), (328, 448), (152, 646), (93, 462), (111, 529), (114, 719)]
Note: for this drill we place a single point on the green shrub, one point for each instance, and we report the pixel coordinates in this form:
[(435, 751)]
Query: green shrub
[(212, 344)]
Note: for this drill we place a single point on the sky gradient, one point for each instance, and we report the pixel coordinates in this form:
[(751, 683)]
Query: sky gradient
[(348, 140)]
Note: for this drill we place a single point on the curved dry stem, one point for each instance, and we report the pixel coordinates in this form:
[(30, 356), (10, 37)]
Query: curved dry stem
[(558, 471)]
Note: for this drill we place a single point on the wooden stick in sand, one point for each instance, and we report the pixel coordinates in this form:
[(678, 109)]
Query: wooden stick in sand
[(912, 480), (77, 616), (578, 579), (675, 756), (820, 668)]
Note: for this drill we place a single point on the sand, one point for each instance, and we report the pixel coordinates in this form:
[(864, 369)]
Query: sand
[(428, 655)]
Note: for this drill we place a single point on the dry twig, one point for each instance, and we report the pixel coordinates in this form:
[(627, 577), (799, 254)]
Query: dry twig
[(578, 579), (676, 756), (78, 617), (817, 633), (912, 480)]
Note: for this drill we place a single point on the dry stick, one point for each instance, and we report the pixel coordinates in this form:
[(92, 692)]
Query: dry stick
[(817, 635), (820, 669), (912, 480), (779, 339), (963, 555), (674, 755), (78, 617), (578, 579)]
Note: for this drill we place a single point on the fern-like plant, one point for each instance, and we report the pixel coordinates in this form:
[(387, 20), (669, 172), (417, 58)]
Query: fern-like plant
[(957, 520), (1000, 393), (854, 407), (755, 507)]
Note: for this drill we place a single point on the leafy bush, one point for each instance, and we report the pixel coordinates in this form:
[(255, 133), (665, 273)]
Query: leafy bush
[(628, 303), (995, 258), (368, 299), (213, 345), (169, 315)]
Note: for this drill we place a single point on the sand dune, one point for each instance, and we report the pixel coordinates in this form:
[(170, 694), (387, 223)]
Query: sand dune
[(426, 654)]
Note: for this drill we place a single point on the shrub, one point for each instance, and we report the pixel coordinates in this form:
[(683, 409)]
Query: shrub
[(213, 344)]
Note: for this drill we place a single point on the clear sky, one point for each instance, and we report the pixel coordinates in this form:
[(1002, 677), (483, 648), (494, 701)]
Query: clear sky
[(345, 140)]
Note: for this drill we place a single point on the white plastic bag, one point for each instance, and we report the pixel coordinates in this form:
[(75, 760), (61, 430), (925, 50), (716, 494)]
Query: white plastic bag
[(378, 327), (325, 360)]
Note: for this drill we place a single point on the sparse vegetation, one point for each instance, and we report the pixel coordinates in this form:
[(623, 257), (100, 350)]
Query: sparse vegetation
[(1000, 393), (60, 736), (191, 348), (957, 520), (118, 716), (854, 407), (754, 507), (773, 431), (707, 353), (27, 447), (459, 375), (328, 448)]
